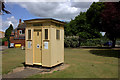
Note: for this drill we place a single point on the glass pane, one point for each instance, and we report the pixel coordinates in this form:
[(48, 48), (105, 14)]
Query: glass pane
[(57, 34), (29, 34), (46, 33)]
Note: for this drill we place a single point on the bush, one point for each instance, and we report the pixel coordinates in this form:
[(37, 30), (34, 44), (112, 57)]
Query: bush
[(91, 42), (2, 40), (118, 42), (71, 42), (67, 42)]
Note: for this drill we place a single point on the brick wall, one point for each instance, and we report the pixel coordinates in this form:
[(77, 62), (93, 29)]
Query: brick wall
[(18, 41)]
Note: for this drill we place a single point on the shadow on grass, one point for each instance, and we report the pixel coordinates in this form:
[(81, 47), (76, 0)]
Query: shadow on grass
[(106, 53)]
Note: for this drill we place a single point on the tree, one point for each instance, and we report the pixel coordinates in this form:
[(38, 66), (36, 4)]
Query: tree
[(111, 20), (83, 28), (8, 33), (79, 27), (2, 8), (105, 17), (93, 15)]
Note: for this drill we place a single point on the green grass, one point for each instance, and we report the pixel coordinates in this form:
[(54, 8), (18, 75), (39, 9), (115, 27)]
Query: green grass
[(12, 58), (84, 63)]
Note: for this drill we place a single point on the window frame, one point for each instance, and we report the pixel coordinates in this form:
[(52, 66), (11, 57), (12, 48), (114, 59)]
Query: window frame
[(57, 34)]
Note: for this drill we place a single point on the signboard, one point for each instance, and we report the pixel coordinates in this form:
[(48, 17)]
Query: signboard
[(45, 45), (11, 44), (29, 44), (38, 46)]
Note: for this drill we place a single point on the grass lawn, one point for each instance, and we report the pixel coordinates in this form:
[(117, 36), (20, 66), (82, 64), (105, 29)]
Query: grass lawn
[(84, 63), (12, 58)]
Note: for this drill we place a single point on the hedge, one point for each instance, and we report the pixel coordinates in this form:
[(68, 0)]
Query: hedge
[(73, 42)]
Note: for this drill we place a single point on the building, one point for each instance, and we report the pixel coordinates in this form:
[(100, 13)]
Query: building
[(18, 34), (2, 34), (44, 42)]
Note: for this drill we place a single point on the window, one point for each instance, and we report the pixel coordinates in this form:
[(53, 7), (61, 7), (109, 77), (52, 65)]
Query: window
[(29, 34), (37, 33), (20, 31), (37, 24), (57, 34), (23, 31), (46, 33)]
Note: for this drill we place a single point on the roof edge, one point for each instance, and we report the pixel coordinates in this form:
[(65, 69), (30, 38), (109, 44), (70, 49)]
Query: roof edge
[(44, 19)]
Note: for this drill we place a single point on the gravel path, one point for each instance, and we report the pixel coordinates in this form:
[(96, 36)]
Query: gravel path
[(22, 72)]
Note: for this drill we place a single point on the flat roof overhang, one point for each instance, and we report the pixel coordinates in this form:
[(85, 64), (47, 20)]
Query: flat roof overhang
[(44, 20)]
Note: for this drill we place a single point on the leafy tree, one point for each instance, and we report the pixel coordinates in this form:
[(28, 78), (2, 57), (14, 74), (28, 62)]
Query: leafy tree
[(93, 15), (79, 27), (111, 20), (83, 28), (105, 17), (2, 8), (8, 33)]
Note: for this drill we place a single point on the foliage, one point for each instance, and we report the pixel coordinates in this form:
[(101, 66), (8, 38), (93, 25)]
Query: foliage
[(105, 17), (72, 42), (3, 8), (93, 15), (111, 20), (91, 42), (2, 40), (79, 27), (8, 31)]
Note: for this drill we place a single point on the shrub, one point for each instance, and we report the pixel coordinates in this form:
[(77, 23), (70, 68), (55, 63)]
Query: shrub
[(2, 40), (71, 42), (67, 42), (91, 42)]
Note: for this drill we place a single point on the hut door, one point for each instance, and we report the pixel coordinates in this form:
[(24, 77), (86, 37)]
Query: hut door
[(37, 47)]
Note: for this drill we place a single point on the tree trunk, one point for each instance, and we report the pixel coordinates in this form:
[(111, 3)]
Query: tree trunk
[(113, 43)]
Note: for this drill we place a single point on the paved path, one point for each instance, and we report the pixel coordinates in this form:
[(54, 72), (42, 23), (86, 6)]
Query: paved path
[(23, 74)]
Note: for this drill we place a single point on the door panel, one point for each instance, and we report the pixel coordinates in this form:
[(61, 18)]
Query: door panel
[(37, 47)]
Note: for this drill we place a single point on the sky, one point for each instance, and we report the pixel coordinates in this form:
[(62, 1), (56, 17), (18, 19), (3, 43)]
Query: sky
[(62, 10)]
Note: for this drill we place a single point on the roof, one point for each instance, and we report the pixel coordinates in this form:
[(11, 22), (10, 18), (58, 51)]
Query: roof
[(2, 32), (21, 25), (44, 19)]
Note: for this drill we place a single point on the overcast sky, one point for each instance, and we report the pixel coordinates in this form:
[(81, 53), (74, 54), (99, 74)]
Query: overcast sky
[(64, 10)]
